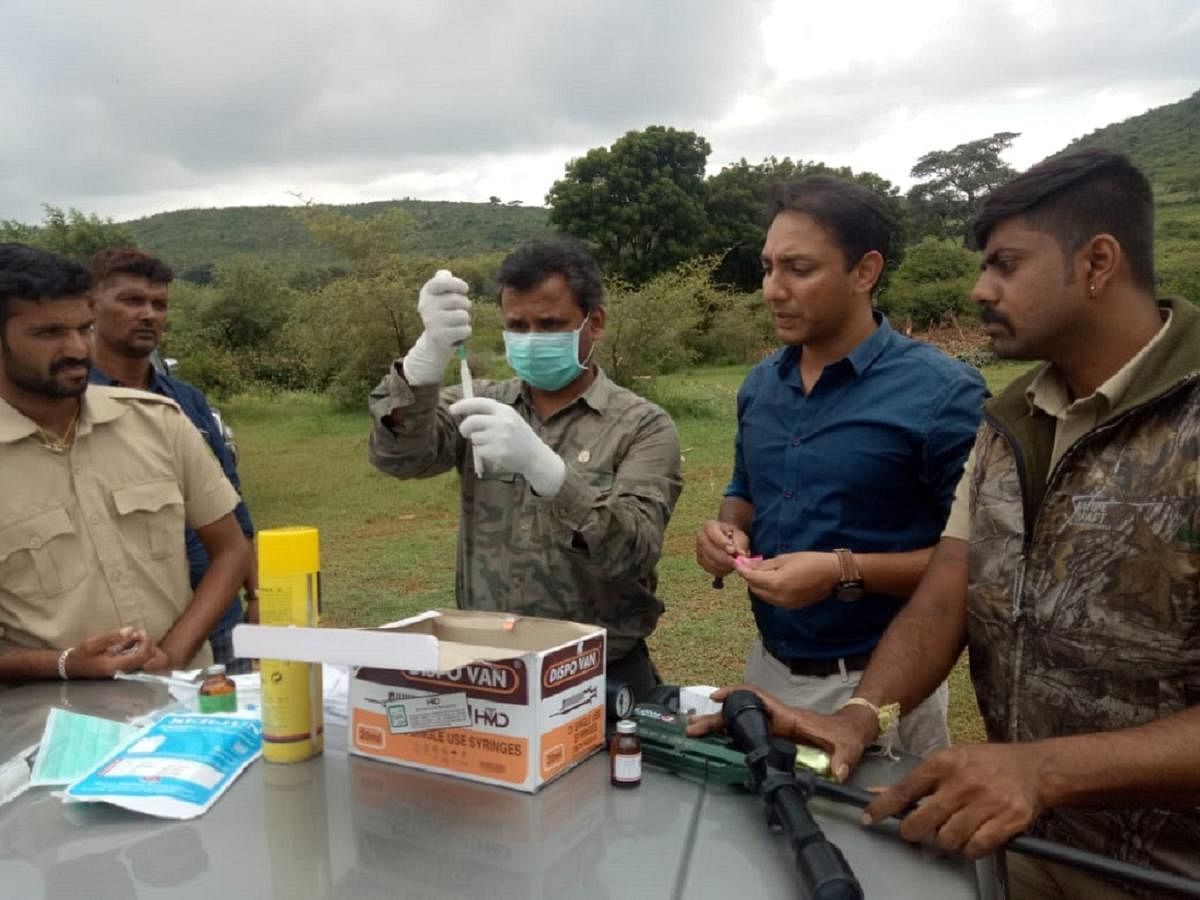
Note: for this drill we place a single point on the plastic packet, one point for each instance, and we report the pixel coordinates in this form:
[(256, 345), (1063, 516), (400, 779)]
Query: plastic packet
[(176, 769), (72, 744)]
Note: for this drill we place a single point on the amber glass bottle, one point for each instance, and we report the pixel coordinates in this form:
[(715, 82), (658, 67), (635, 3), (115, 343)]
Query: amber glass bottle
[(218, 693), (625, 755)]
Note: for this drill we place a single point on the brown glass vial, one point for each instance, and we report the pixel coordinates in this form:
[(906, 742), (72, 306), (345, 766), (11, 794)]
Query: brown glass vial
[(625, 755), (218, 693)]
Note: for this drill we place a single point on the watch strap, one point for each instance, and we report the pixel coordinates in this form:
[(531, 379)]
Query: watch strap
[(851, 574)]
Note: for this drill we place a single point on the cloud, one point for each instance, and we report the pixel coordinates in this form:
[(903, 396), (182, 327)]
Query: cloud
[(131, 108), (902, 81), (143, 97)]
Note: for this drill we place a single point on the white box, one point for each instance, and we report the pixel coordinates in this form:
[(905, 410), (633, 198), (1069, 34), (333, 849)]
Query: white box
[(533, 690)]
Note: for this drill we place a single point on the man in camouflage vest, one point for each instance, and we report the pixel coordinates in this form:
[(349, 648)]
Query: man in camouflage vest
[(1070, 566), (568, 481)]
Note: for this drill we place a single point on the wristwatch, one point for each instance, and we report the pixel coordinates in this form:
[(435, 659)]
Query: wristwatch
[(850, 584)]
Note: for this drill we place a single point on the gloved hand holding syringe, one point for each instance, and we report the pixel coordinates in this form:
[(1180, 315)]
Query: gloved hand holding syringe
[(445, 313), (468, 392)]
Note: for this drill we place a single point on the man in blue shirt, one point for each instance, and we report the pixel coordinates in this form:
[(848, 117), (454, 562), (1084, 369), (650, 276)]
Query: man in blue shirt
[(850, 443), (130, 292)]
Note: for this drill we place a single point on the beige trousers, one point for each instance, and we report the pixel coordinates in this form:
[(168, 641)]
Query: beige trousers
[(922, 731)]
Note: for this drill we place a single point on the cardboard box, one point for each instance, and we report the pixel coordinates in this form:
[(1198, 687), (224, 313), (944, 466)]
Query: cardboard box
[(509, 700)]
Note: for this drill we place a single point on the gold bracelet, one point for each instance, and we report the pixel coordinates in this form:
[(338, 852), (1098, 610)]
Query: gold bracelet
[(888, 714)]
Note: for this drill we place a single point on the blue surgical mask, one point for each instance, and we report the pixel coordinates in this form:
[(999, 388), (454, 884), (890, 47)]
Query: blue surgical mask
[(546, 360)]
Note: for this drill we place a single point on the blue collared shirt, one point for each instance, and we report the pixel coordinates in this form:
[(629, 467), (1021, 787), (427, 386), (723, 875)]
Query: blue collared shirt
[(868, 460), (196, 408)]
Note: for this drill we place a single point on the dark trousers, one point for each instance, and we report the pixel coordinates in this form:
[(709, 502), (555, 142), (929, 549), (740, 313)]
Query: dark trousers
[(635, 669)]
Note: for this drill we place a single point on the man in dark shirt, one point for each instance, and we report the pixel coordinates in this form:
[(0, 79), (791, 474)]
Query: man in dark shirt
[(130, 291), (850, 442)]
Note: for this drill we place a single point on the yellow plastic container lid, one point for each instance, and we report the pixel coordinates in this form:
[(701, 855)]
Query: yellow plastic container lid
[(295, 550)]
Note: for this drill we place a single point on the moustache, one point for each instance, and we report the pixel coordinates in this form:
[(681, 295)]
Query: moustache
[(989, 316), (67, 362)]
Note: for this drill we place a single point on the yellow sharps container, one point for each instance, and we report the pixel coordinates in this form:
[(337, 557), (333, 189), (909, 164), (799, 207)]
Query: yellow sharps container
[(289, 593)]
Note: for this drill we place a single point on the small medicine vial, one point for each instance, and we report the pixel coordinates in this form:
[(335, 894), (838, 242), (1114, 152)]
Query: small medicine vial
[(625, 755), (218, 693)]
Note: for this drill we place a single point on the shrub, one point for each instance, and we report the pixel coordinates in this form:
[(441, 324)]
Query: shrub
[(932, 285)]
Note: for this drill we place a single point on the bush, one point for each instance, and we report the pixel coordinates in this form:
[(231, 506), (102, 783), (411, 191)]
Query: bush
[(214, 370), (979, 357), (932, 285), (739, 330), (352, 328), (250, 305), (1179, 271), (650, 329)]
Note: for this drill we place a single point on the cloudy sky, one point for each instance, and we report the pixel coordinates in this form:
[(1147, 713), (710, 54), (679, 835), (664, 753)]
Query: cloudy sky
[(133, 107)]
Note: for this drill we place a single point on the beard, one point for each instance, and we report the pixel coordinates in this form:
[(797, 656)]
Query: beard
[(32, 381)]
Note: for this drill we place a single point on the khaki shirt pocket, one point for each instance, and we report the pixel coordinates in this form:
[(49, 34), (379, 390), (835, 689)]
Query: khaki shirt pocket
[(40, 555), (150, 517)]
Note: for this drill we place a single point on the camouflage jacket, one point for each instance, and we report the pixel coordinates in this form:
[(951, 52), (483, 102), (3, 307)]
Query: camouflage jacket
[(589, 553), (1084, 600)]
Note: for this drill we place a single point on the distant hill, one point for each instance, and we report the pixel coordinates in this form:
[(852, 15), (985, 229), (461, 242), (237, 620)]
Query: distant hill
[(190, 238), (1164, 142)]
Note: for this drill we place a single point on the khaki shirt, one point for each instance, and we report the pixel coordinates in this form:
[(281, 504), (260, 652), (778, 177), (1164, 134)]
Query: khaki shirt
[(1049, 393), (92, 539), (587, 554)]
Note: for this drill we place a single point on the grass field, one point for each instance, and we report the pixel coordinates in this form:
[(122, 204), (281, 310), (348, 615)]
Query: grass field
[(388, 546)]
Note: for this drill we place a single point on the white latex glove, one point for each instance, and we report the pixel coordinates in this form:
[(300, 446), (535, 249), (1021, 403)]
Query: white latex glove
[(505, 441), (445, 312)]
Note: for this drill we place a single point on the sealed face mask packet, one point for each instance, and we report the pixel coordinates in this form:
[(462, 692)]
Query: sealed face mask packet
[(72, 745), (176, 769)]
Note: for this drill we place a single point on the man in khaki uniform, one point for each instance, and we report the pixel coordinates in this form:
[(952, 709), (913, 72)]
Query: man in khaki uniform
[(98, 484), (568, 480)]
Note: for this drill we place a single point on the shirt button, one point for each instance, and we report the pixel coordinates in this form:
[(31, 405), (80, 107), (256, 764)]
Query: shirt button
[(788, 494), (35, 543), (79, 470), (796, 442)]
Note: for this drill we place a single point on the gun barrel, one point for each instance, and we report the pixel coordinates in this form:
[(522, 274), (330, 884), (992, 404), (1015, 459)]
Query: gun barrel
[(1048, 850)]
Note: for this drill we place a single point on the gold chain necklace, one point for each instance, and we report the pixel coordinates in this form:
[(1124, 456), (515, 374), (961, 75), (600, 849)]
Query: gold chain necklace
[(56, 444)]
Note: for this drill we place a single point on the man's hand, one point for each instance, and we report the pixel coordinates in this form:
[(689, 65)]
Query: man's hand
[(250, 587), (160, 663), (506, 443), (445, 312), (793, 580), (250, 617), (844, 735), (104, 655), (974, 797), (717, 543)]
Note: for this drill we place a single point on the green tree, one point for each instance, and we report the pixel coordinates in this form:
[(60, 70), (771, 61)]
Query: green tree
[(736, 206), (955, 181), (639, 203), (72, 233), (249, 306), (932, 285)]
